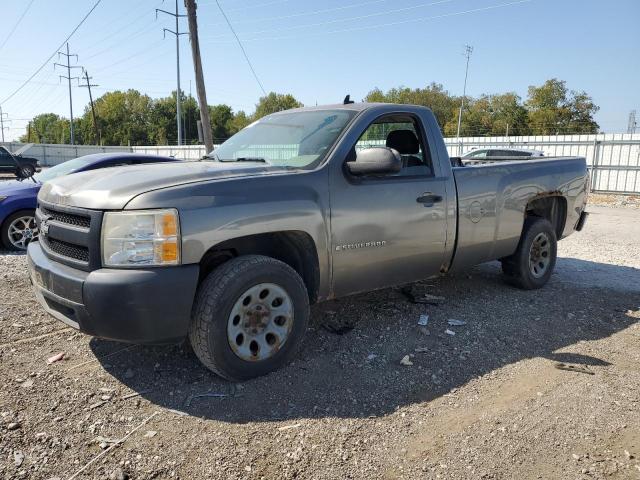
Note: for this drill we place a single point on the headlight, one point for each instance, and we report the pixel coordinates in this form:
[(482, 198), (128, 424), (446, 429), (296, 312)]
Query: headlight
[(141, 238)]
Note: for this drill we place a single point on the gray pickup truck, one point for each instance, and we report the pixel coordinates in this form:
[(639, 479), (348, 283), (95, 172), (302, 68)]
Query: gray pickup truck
[(301, 206)]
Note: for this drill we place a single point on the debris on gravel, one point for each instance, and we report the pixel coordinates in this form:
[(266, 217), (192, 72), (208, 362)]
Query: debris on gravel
[(456, 323), (406, 361), (55, 358)]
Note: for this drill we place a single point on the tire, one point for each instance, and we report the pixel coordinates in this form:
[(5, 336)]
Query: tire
[(22, 220), (25, 171), (224, 325), (531, 266)]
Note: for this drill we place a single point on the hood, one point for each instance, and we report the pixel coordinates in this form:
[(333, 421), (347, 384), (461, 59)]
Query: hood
[(14, 187), (113, 188)]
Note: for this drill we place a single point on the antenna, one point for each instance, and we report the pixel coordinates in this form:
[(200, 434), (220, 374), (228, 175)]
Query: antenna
[(347, 100)]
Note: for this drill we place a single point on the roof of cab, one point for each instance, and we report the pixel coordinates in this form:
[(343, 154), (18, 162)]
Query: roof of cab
[(358, 107)]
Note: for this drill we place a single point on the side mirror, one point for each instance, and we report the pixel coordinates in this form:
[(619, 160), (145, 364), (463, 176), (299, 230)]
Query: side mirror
[(375, 161), (456, 161)]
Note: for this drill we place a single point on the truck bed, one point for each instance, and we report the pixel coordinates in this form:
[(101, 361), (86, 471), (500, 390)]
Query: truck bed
[(492, 199)]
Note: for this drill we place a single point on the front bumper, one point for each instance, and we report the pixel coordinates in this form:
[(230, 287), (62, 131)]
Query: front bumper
[(150, 305)]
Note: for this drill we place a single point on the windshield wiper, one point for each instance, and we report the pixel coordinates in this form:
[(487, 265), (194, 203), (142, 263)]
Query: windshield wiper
[(245, 159), (212, 156)]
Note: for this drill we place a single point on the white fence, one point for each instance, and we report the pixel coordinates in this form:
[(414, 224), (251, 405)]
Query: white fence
[(613, 159), (52, 154), (184, 152)]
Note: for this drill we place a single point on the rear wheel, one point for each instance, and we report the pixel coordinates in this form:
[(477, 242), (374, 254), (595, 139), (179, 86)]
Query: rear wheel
[(532, 264), (19, 229), (249, 317)]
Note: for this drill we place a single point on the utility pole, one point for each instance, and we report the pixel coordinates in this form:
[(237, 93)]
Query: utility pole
[(88, 85), (69, 78), (467, 53), (177, 33), (631, 128), (197, 66), (2, 127)]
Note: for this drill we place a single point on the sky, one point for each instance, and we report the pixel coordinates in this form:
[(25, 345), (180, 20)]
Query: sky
[(319, 51)]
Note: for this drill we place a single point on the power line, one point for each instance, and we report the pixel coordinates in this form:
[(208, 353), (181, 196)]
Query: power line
[(349, 19), (16, 24), (306, 14), (380, 25), (242, 48), (259, 5), (95, 5), (129, 22)]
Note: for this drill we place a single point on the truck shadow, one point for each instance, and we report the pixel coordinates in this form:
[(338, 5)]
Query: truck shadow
[(358, 373)]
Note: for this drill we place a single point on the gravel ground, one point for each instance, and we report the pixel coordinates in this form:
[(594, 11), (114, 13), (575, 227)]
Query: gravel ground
[(538, 384)]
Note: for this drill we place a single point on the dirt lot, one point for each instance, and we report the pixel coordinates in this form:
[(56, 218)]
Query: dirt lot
[(487, 402)]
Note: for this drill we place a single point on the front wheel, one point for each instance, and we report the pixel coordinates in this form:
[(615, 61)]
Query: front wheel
[(531, 266), (25, 171), (249, 317)]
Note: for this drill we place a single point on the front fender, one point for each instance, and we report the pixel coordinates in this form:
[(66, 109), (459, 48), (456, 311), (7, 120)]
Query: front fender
[(217, 211), (13, 204)]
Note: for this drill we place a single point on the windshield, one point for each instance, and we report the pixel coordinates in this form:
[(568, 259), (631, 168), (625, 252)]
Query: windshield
[(64, 168), (297, 139)]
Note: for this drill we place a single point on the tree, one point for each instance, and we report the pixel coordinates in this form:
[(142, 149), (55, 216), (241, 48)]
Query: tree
[(554, 110), (434, 96), (491, 115), (47, 128), (582, 111), (191, 115), (240, 120), (125, 118), (275, 102), (221, 117)]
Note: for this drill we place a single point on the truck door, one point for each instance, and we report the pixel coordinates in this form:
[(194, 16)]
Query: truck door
[(391, 229)]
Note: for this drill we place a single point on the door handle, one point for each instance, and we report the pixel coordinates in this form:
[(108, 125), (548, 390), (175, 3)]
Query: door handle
[(428, 199)]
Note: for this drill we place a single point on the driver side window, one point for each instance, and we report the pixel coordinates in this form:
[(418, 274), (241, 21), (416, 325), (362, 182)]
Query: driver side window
[(402, 133)]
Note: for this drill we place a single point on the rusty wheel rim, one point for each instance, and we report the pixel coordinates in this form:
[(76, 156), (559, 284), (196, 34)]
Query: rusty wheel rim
[(260, 322), (540, 255)]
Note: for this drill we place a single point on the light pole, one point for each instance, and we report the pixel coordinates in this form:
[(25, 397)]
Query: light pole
[(467, 53)]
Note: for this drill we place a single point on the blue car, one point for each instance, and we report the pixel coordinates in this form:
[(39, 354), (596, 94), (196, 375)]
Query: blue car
[(18, 198)]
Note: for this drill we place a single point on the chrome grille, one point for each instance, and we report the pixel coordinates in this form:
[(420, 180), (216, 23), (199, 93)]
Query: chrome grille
[(67, 218), (70, 235)]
